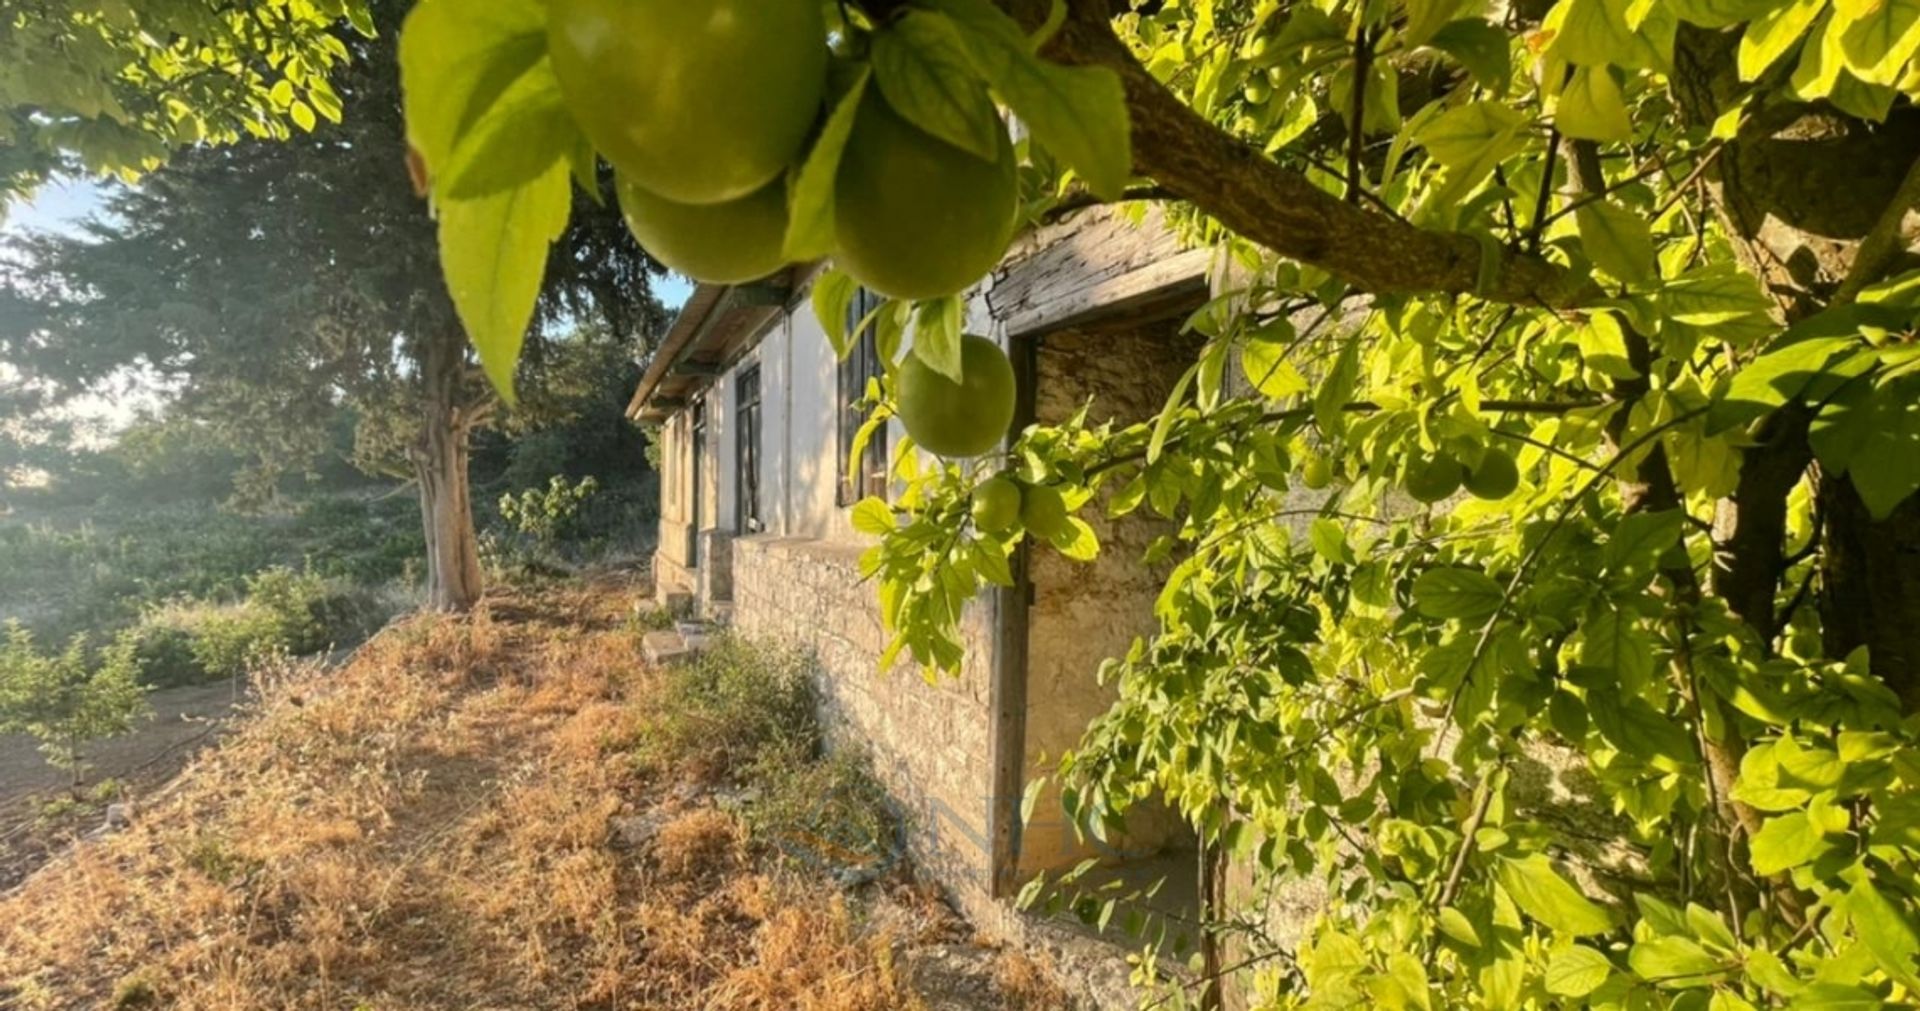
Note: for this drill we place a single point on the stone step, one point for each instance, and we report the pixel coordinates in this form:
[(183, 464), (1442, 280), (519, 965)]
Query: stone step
[(665, 647)]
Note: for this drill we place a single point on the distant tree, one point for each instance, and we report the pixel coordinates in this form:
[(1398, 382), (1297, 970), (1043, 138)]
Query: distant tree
[(272, 283)]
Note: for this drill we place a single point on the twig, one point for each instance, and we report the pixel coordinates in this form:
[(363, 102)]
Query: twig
[(1545, 197), (1356, 132)]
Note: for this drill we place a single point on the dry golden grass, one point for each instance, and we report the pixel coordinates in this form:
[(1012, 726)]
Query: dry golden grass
[(432, 827)]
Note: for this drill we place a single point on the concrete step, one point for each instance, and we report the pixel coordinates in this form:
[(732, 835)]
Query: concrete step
[(683, 640), (664, 647)]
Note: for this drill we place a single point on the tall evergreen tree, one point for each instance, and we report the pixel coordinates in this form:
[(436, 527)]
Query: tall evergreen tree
[(269, 284)]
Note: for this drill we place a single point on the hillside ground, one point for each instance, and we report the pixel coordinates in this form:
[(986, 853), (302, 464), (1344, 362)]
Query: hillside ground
[(505, 810)]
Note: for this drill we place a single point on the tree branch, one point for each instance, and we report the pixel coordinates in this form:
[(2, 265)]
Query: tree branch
[(1282, 209)]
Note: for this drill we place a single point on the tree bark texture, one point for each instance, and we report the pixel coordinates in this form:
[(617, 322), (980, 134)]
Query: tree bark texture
[(454, 578)]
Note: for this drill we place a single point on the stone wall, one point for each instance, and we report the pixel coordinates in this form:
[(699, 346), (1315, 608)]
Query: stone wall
[(929, 742)]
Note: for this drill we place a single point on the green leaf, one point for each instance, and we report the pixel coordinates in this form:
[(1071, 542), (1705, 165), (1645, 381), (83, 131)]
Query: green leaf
[(516, 140), (1835, 997), (1591, 108), (1718, 13), (494, 252), (1078, 113), (872, 515), (1674, 962), (1770, 36), (936, 334), (1336, 390), (1265, 364), (1603, 346), (1473, 138), (923, 68), (1885, 930), (1787, 842), (810, 232), (1640, 539), (1329, 540), (1453, 593), (1596, 33), (1078, 542), (1808, 350), (990, 558), (1618, 240), (1636, 728), (456, 60), (833, 295), (1576, 971), (1878, 46), (1454, 924), (1544, 895), (1871, 432), (1715, 296), (1480, 46), (1609, 641), (1163, 427)]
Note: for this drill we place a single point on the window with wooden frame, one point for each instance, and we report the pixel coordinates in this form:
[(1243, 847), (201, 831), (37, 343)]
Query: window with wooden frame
[(868, 476), (746, 453)]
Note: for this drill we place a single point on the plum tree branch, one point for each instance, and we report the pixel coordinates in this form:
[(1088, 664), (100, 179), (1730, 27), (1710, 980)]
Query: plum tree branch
[(1280, 208)]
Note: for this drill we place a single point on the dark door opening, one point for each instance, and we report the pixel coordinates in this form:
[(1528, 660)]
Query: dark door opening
[(699, 478), (747, 452)]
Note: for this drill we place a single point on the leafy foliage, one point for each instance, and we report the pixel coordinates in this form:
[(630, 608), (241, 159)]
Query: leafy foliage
[(1573, 234), (113, 88), (67, 699)]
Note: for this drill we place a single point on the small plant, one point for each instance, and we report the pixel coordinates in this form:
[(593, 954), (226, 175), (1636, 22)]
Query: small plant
[(547, 516), (538, 521), (712, 716), (651, 618), (69, 699)]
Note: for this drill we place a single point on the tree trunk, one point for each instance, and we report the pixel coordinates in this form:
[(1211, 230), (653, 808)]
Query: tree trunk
[(1871, 569), (1804, 191), (454, 580)]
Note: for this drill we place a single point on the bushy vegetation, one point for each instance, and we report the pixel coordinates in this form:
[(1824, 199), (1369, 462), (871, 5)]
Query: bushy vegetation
[(282, 612), (97, 569), (712, 716), (745, 715), (66, 699)]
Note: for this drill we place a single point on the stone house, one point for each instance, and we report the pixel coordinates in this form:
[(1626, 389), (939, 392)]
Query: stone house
[(756, 421)]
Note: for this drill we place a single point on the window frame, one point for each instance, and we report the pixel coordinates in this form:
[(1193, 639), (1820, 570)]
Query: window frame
[(746, 451), (861, 364)]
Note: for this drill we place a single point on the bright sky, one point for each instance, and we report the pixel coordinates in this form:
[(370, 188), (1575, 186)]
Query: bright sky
[(55, 207)]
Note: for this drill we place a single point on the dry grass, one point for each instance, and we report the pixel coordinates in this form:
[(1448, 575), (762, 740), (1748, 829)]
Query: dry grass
[(432, 827)]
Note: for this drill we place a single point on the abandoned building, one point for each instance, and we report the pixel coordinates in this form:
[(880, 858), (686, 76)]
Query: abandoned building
[(757, 418)]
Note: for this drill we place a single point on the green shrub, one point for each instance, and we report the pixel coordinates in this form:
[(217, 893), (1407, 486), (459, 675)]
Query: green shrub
[(227, 641), (292, 607), (285, 612), (824, 811), (745, 714), (69, 699), (163, 654), (714, 715)]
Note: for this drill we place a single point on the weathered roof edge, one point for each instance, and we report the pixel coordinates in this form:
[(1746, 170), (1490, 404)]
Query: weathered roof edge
[(700, 324), (693, 315)]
